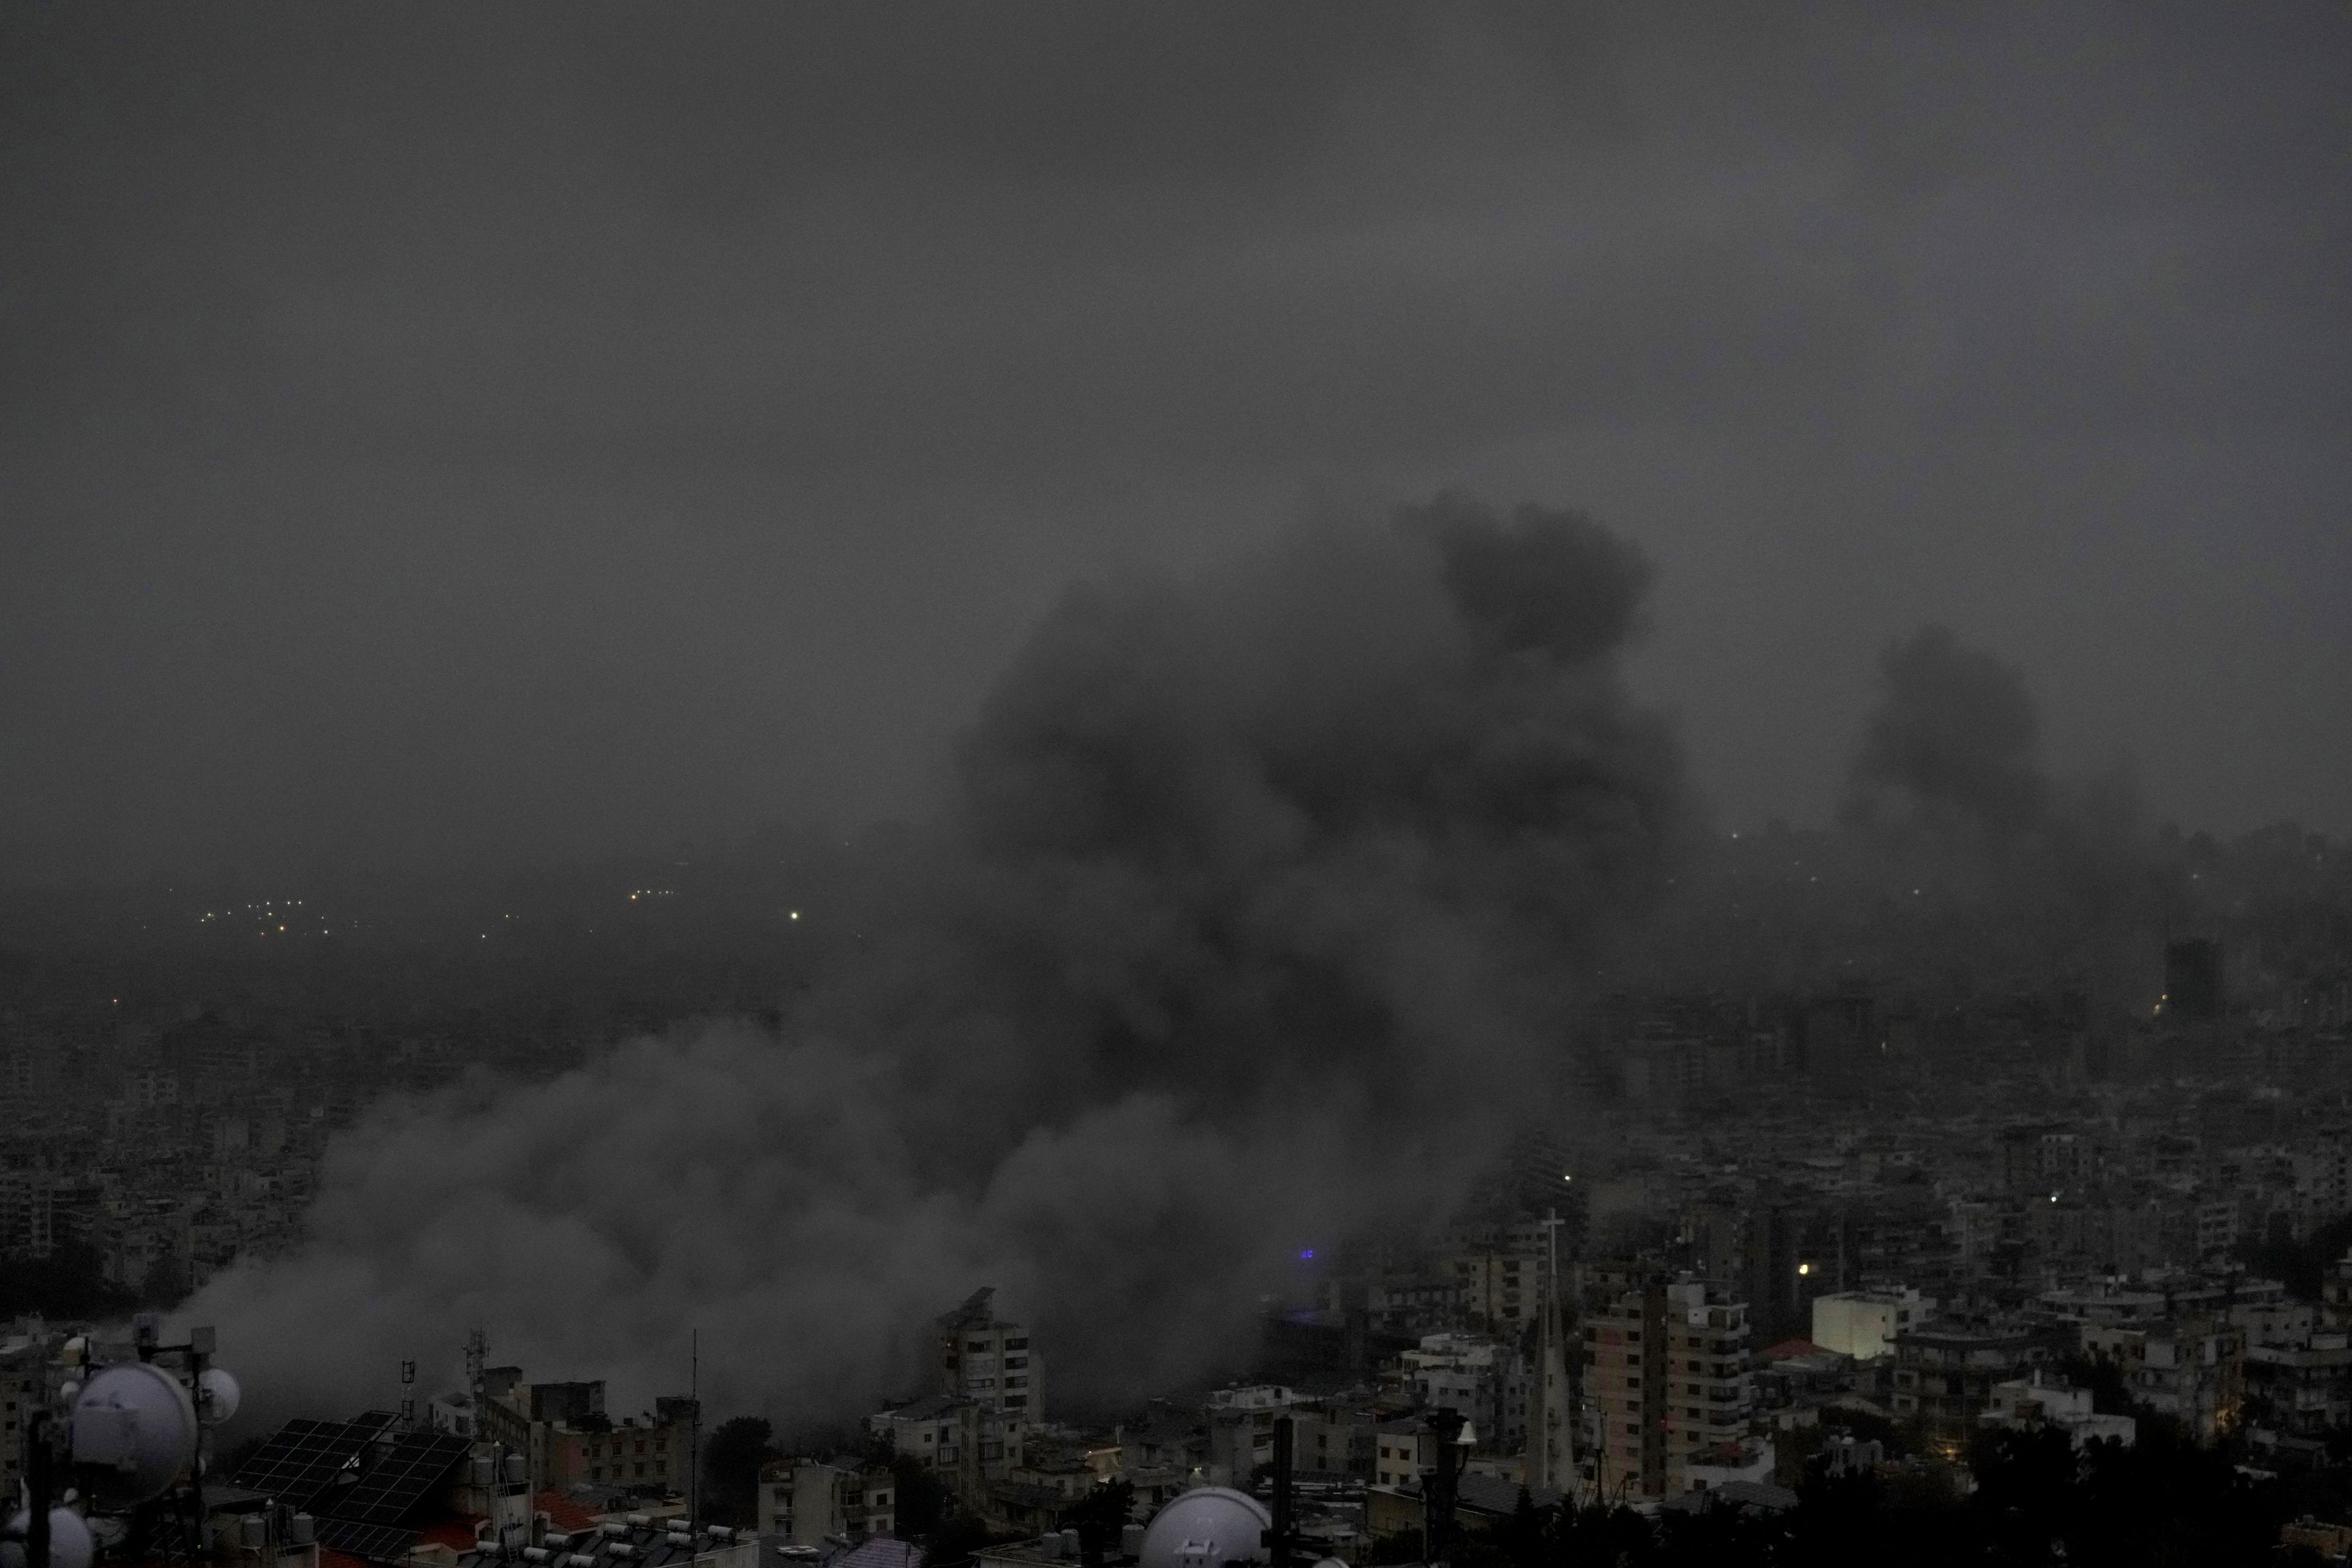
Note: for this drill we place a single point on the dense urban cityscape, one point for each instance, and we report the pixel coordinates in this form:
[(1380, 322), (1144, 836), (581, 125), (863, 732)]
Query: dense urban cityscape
[(1878, 1223), (1195, 784)]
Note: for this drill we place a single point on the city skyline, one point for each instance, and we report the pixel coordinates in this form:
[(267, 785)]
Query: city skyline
[(1211, 785)]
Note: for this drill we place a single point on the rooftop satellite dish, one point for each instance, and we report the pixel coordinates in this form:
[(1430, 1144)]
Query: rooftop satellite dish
[(71, 1545), (1207, 1527), (134, 1430), (217, 1395)]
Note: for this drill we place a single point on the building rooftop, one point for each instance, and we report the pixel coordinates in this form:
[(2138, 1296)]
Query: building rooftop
[(614, 1543), (1759, 1497)]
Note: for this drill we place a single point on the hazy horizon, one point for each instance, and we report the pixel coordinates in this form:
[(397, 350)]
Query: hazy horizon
[(436, 440)]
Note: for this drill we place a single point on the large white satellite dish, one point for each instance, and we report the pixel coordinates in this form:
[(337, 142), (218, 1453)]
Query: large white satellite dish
[(1207, 1527), (217, 1395), (134, 1430)]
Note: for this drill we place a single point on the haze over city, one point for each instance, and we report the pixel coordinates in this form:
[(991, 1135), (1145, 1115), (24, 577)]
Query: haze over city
[(443, 437), (1085, 763)]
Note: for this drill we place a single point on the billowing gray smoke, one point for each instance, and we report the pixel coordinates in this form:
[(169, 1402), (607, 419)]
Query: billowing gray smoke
[(1955, 738), (1252, 925), (2036, 875)]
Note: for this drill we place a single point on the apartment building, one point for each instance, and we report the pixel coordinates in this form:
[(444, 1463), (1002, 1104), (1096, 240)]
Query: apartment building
[(1485, 1380), (1666, 1368), (1404, 1451), (1945, 1371), (567, 1438), (991, 1363), (965, 1445), (1241, 1428), (2191, 1367), (1500, 1278), (1332, 1441), (2302, 1384), (808, 1502), (25, 1360)]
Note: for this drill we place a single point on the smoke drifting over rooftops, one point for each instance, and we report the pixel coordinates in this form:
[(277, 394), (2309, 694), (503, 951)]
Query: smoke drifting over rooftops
[(2033, 872), (1253, 887), (1955, 736)]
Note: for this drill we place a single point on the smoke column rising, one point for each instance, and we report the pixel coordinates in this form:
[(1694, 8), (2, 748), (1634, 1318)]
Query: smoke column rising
[(2039, 872), (1252, 924)]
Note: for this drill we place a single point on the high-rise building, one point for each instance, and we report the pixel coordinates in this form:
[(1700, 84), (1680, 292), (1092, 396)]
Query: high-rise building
[(27, 1213), (26, 1360), (1667, 1370), (2193, 979), (990, 1361), (1501, 1281), (1551, 1451)]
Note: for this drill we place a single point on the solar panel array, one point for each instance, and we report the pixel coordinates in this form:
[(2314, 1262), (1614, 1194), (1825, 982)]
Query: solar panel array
[(361, 1498), (390, 1490), (301, 1461), (379, 1543)]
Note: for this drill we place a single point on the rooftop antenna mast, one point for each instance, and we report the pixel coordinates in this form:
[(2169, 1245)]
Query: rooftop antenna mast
[(1279, 1536), (694, 1439), (477, 1350)]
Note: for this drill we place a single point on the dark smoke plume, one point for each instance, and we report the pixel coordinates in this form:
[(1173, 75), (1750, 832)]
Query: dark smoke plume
[(1955, 737), (1250, 926), (1983, 856)]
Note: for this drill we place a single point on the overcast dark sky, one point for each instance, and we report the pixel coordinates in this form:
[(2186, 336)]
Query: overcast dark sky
[(511, 430)]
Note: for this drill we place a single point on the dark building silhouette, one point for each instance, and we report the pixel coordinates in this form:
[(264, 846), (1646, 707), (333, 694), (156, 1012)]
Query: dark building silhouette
[(2192, 978)]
